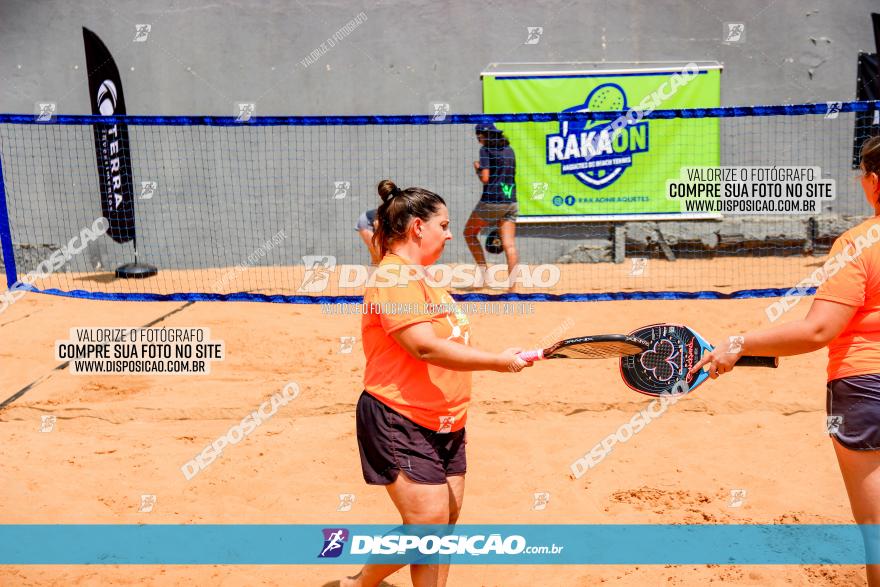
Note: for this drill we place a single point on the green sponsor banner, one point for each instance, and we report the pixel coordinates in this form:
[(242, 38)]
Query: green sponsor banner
[(575, 168)]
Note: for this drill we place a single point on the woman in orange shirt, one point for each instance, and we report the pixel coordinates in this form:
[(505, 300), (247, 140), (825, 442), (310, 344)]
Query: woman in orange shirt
[(417, 383), (845, 316)]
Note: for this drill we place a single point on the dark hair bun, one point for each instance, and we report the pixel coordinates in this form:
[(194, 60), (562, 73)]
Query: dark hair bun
[(387, 189)]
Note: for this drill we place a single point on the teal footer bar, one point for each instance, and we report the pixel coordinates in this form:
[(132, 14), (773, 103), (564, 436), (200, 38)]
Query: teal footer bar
[(565, 544)]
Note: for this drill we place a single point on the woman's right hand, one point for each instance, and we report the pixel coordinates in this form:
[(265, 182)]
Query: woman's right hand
[(510, 361)]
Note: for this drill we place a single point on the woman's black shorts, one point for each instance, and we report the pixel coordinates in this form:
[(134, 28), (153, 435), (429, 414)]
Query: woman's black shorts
[(853, 407), (390, 443)]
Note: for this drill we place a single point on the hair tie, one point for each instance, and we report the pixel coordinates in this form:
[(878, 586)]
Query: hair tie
[(396, 191)]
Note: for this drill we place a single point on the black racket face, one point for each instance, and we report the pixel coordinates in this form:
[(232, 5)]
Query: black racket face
[(597, 347), (662, 369)]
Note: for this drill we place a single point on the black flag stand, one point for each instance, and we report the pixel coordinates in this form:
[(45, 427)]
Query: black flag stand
[(112, 152), (136, 270)]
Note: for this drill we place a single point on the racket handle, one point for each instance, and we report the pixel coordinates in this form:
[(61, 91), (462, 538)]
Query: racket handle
[(771, 362), (532, 356)]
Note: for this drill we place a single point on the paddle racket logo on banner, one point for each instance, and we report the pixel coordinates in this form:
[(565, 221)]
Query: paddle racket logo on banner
[(597, 152)]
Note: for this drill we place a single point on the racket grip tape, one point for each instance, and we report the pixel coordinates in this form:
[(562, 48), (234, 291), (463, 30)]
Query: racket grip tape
[(771, 362), (532, 356)]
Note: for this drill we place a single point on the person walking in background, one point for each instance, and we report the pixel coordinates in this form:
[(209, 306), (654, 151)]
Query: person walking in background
[(497, 208)]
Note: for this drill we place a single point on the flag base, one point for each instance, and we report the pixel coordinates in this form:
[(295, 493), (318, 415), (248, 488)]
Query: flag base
[(136, 271)]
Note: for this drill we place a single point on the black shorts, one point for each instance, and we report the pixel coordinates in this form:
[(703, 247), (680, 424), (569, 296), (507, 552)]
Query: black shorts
[(853, 408), (390, 443)]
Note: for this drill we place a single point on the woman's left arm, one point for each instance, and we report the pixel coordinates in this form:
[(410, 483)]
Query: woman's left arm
[(822, 324)]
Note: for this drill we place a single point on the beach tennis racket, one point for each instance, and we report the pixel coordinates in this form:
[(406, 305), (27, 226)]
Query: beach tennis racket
[(603, 346), (493, 242), (674, 349)]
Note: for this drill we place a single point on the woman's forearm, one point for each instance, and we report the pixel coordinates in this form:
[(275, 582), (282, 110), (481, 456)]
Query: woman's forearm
[(459, 357), (793, 338)]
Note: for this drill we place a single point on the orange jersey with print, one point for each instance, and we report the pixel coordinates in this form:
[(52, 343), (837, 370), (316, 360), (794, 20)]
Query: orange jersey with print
[(430, 396), (852, 274)]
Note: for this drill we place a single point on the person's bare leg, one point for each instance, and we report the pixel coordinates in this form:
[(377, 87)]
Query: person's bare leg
[(507, 231), (367, 237), (456, 498), (861, 475), (418, 504), (472, 229)]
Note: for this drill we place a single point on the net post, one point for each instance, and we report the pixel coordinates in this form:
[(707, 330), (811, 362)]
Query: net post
[(618, 238), (6, 236)]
